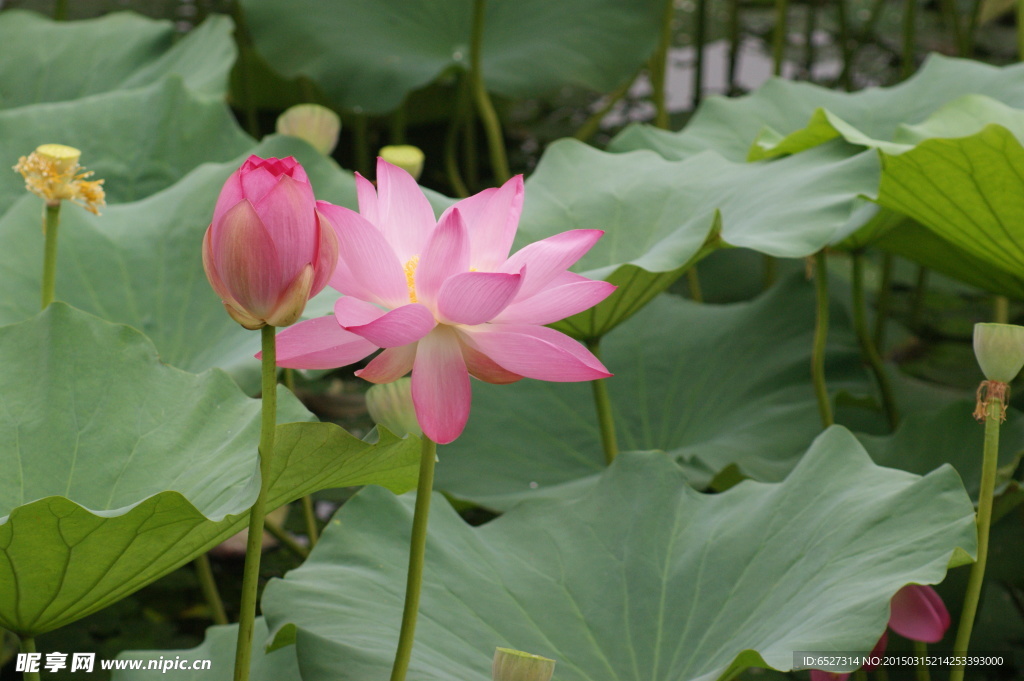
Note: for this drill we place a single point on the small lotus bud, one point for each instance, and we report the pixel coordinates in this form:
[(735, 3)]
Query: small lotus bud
[(313, 123), (515, 665), (390, 404), (51, 172), (406, 157), (1000, 350)]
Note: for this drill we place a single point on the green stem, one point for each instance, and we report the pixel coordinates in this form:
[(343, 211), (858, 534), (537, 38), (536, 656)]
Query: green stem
[(605, 416), (821, 338), (361, 144), (488, 116), (451, 138), (658, 67), (285, 539), (909, 38), (921, 652), (770, 272), (60, 10), (993, 417), (417, 552), (309, 513), (779, 36), (882, 302), (51, 222), (809, 26), (917, 302), (28, 645), (734, 47), (254, 544), (398, 125), (693, 283), (972, 27), (699, 38), (1001, 310), (867, 346), (209, 586), (245, 62), (593, 123), (950, 12), (846, 75)]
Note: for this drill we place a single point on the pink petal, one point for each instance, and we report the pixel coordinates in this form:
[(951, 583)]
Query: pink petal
[(877, 651), (319, 343), (372, 271), (548, 258), (819, 675), (389, 365), (246, 260), (567, 295), (476, 297), (918, 613), (326, 254), (401, 326), (535, 352), (256, 182), (351, 311), (492, 217), (366, 194), (405, 215), (446, 254), (230, 195), (288, 211), (483, 367), (440, 386)]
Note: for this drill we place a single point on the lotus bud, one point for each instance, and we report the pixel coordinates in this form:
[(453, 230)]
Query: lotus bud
[(313, 123), (52, 173), (515, 665), (406, 157), (1000, 350), (917, 611), (268, 249), (390, 404)]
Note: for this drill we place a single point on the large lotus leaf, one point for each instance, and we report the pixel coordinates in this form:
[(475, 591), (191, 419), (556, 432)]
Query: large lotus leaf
[(969, 191), (121, 468), (781, 107), (219, 650), (140, 263), (140, 141), (713, 385), (638, 577), (54, 61), (661, 216), (369, 56)]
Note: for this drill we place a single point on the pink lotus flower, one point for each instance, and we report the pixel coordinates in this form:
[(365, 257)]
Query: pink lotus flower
[(916, 612), (445, 300), (267, 250)]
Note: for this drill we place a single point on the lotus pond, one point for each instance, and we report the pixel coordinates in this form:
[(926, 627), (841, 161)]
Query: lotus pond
[(473, 339)]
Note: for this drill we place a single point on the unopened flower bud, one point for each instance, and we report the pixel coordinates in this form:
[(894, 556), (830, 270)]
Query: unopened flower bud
[(1000, 350), (515, 665), (406, 157), (313, 123), (390, 404)]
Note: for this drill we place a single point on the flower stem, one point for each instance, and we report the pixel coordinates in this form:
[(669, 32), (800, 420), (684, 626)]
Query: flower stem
[(882, 302), (60, 10), (254, 545), (417, 551), (779, 36), (605, 416), (51, 221), (921, 652), (285, 539), (209, 586), (307, 501), (867, 345), (658, 68), (451, 137), (1001, 310), (593, 123), (909, 38), (28, 645), (488, 116), (821, 338), (993, 417)]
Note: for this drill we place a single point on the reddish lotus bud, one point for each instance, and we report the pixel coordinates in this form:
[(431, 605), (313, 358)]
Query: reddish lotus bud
[(268, 249), (918, 613)]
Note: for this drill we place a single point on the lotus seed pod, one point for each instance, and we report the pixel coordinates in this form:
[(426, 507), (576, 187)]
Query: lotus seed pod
[(390, 404), (63, 157), (52, 173), (313, 123), (515, 665), (406, 157), (1000, 350)]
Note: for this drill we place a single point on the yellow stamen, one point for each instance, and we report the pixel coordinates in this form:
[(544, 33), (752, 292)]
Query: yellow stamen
[(410, 276), (52, 173)]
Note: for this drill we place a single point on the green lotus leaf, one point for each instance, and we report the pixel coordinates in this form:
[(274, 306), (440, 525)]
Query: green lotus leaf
[(55, 61), (140, 263), (660, 216), (711, 385), (530, 47), (801, 115), (219, 649), (638, 577), (121, 468), (139, 141)]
